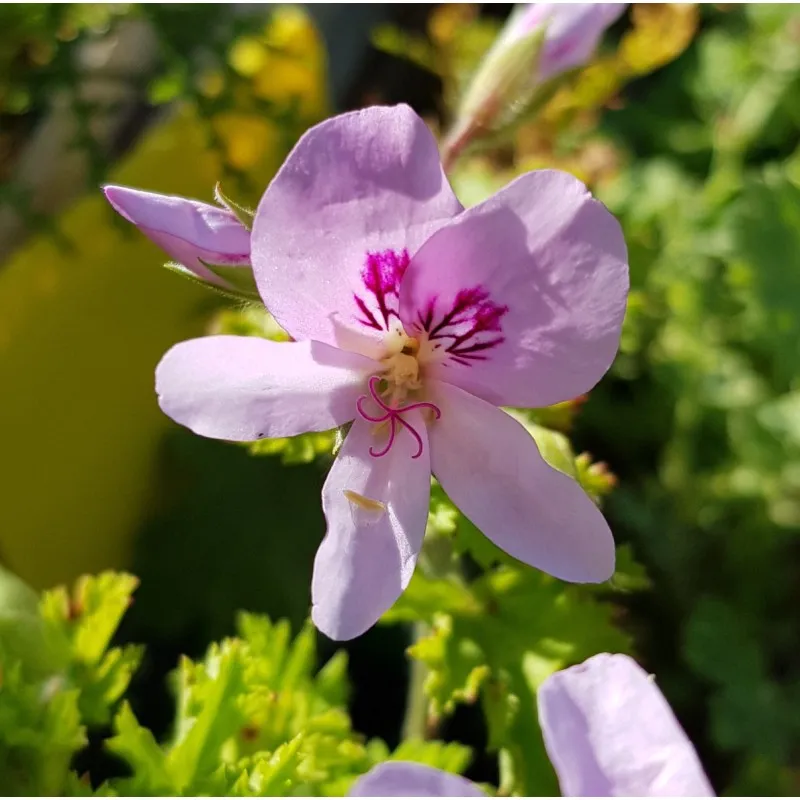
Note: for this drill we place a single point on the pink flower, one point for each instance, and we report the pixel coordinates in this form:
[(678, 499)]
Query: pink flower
[(608, 730), (197, 235), (415, 320)]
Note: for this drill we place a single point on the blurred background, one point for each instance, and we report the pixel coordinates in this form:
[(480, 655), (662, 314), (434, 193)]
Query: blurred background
[(685, 124)]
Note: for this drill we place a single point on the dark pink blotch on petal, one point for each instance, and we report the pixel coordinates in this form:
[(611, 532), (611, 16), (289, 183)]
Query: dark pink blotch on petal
[(358, 184), (553, 260), (379, 300), (465, 330)]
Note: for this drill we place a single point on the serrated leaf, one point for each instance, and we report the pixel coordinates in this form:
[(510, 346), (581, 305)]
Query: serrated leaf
[(332, 682), (211, 713), (448, 756), (503, 652), (140, 750)]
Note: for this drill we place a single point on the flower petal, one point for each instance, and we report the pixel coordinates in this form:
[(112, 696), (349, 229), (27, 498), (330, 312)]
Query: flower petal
[(491, 469), (546, 266), (365, 182), (376, 509), (188, 230), (244, 388), (611, 733), (406, 779)]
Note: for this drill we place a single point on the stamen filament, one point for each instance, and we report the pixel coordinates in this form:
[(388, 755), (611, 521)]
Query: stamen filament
[(392, 433), (393, 416), (414, 433)]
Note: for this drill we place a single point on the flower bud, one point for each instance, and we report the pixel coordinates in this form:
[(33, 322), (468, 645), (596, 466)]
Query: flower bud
[(540, 44), (209, 244)]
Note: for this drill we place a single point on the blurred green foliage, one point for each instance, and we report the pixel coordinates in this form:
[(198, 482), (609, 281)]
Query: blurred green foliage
[(254, 717)]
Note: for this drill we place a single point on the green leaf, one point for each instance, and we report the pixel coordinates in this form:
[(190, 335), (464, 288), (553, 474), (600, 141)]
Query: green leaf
[(209, 712), (493, 646), (244, 215), (137, 746), (448, 756), (238, 281), (22, 634)]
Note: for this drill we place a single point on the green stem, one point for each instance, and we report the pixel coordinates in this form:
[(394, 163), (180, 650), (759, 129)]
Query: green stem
[(415, 722)]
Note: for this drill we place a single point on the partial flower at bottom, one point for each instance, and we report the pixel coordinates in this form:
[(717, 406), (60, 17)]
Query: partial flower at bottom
[(608, 730)]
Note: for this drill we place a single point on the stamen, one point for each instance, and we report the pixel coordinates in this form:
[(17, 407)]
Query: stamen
[(392, 433), (366, 416), (393, 415), (432, 406), (360, 500), (414, 434)]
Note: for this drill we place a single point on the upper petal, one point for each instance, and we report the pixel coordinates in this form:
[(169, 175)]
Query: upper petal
[(376, 510), (365, 182), (187, 230), (244, 388), (406, 779), (611, 733), (534, 281), (491, 468)]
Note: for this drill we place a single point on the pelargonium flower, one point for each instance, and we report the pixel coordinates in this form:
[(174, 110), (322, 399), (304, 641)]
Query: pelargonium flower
[(208, 243), (608, 730), (415, 319)]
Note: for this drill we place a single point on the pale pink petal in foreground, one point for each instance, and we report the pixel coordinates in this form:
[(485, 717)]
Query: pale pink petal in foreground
[(365, 182), (189, 231), (376, 510), (611, 733), (549, 268), (406, 779), (244, 388), (491, 468)]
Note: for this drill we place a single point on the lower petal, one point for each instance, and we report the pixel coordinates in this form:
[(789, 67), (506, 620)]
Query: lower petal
[(405, 779), (244, 388), (376, 509), (491, 468), (610, 733)]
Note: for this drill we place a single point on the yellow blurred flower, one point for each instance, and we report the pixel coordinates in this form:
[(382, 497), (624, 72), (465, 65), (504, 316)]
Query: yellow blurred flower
[(286, 80), (248, 139), (247, 56), (292, 32)]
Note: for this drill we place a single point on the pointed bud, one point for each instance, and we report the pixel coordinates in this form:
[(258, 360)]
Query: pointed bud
[(210, 244), (540, 44)]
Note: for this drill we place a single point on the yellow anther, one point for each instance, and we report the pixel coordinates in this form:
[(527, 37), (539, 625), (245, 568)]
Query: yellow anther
[(367, 503)]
